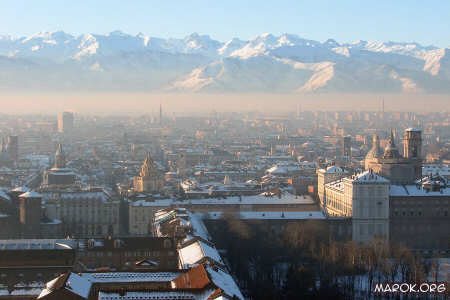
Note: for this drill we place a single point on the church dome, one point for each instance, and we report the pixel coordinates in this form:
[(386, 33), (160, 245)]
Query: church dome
[(376, 150)]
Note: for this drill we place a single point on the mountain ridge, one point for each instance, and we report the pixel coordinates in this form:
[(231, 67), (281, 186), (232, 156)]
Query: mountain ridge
[(198, 63)]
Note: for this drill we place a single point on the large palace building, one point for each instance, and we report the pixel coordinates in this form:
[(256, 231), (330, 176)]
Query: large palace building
[(390, 199)]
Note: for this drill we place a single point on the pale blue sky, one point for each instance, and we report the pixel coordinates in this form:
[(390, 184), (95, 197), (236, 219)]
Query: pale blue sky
[(426, 22)]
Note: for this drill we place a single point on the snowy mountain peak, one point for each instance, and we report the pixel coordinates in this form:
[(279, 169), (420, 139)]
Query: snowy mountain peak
[(57, 36), (331, 43), (267, 62), (118, 33), (230, 46)]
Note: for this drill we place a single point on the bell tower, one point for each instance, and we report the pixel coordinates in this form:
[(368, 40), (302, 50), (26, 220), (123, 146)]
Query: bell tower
[(413, 150), (413, 143)]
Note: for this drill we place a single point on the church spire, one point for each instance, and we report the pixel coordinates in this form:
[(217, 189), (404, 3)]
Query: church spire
[(391, 150), (148, 167), (392, 140), (60, 159)]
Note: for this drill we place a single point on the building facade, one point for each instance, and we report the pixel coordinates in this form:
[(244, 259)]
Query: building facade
[(83, 212), (365, 198), (325, 176), (65, 122)]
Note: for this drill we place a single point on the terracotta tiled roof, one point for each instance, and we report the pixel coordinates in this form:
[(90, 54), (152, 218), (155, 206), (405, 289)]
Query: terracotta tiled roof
[(195, 278), (216, 294)]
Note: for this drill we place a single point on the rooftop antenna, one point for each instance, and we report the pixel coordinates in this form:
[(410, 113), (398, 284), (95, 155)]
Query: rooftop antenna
[(160, 113)]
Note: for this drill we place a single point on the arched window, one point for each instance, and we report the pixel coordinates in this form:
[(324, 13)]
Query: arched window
[(167, 243)]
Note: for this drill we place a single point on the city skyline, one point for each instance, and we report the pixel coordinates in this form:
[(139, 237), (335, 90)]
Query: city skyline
[(212, 150)]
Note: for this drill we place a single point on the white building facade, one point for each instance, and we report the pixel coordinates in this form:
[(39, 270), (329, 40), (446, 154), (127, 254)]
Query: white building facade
[(363, 197)]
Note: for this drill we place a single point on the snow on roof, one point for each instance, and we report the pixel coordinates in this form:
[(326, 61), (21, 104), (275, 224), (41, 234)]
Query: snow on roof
[(49, 286), (198, 226), (72, 282), (338, 184), (413, 129), (262, 199), (156, 295), (30, 194), (78, 285), (368, 176), (285, 168), (193, 253), (416, 191), (272, 215), (333, 169), (102, 195), (22, 189), (20, 291), (4, 195), (224, 281), (37, 244), (435, 169), (131, 276), (159, 202)]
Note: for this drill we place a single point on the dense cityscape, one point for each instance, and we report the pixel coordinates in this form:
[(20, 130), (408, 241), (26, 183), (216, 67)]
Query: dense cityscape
[(245, 205)]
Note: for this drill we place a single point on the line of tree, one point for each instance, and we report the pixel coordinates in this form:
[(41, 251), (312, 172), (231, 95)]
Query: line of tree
[(302, 261)]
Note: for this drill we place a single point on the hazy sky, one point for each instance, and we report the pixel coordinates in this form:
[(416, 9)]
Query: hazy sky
[(426, 22), (147, 103)]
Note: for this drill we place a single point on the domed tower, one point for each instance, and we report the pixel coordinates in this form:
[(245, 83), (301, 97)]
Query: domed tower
[(59, 174), (374, 153)]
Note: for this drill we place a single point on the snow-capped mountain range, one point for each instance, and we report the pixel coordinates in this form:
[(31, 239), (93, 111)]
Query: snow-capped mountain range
[(197, 63)]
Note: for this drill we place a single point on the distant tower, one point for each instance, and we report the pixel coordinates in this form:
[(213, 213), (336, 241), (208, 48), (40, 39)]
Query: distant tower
[(13, 147), (60, 158), (347, 146), (65, 122), (160, 114), (413, 143), (5, 158), (272, 150), (413, 149)]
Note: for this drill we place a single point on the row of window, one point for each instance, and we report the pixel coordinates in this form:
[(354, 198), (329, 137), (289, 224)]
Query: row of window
[(126, 253), (438, 213)]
